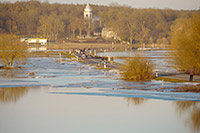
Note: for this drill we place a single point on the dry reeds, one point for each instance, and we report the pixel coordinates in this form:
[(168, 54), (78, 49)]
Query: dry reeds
[(137, 68), (189, 88)]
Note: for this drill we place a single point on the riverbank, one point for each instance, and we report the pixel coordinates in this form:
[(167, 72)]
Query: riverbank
[(97, 46)]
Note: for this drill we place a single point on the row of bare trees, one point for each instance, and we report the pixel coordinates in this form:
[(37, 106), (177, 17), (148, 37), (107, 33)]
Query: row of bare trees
[(50, 26), (33, 18), (142, 25)]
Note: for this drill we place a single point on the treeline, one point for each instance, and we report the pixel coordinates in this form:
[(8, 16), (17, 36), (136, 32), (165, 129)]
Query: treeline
[(54, 21), (33, 18), (145, 26)]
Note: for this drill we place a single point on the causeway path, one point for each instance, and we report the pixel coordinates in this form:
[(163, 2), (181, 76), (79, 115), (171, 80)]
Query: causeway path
[(100, 61)]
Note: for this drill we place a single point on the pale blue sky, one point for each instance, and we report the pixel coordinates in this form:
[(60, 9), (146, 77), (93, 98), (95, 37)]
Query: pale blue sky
[(161, 4)]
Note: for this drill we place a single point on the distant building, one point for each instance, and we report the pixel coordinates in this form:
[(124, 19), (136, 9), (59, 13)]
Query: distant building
[(88, 16), (42, 41), (88, 12), (35, 43), (108, 33), (104, 32)]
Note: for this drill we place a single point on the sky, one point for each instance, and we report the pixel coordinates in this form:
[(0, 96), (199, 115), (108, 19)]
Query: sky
[(160, 4)]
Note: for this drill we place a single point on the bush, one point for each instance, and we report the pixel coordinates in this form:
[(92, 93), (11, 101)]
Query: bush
[(137, 68), (11, 50)]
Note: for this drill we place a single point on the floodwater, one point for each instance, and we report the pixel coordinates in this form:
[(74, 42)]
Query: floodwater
[(36, 110), (159, 57), (73, 97)]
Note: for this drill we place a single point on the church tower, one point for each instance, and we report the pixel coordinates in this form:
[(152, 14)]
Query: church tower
[(88, 12)]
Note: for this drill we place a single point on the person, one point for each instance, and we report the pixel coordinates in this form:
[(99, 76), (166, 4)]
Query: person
[(191, 72)]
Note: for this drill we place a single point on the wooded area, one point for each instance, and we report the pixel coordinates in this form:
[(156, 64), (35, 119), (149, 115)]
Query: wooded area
[(186, 43), (61, 21)]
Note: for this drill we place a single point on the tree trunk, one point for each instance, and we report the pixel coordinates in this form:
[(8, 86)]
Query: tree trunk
[(80, 33), (73, 34), (56, 36), (131, 39), (88, 33)]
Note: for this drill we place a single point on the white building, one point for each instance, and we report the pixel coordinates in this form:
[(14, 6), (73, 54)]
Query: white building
[(109, 34), (42, 41), (87, 12)]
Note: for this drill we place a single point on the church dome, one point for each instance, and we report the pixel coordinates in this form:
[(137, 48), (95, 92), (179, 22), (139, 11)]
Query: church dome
[(88, 8)]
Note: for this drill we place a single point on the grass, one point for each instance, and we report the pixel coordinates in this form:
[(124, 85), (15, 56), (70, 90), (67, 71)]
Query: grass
[(70, 56), (102, 68), (174, 80), (69, 45), (191, 88), (186, 88)]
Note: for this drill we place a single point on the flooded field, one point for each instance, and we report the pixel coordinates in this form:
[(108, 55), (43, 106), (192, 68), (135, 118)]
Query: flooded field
[(159, 57), (46, 96)]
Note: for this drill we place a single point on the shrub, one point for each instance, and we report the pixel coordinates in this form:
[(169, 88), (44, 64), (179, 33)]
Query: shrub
[(137, 68), (11, 50)]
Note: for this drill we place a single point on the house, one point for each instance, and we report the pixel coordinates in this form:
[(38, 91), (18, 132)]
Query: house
[(42, 41), (109, 34), (35, 43)]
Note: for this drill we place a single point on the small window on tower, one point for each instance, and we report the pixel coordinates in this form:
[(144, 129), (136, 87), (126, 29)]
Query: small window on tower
[(86, 15)]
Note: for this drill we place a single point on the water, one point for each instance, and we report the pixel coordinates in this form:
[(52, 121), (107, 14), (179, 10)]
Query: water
[(158, 57), (37, 110), (57, 99)]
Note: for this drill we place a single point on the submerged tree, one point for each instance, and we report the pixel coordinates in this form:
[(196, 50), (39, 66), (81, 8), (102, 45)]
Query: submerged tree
[(138, 68), (11, 50), (186, 43)]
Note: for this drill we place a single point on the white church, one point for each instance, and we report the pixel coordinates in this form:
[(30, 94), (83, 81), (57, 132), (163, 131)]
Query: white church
[(106, 33), (87, 12)]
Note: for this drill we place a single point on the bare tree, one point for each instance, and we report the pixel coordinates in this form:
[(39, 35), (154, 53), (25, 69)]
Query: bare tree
[(51, 26), (11, 50), (73, 27), (80, 26), (186, 43)]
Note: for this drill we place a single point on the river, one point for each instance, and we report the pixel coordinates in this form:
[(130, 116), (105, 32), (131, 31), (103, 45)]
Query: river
[(60, 98), (159, 57)]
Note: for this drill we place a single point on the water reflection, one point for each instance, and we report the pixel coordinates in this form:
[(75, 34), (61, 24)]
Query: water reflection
[(12, 94), (13, 73), (193, 108), (135, 101)]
